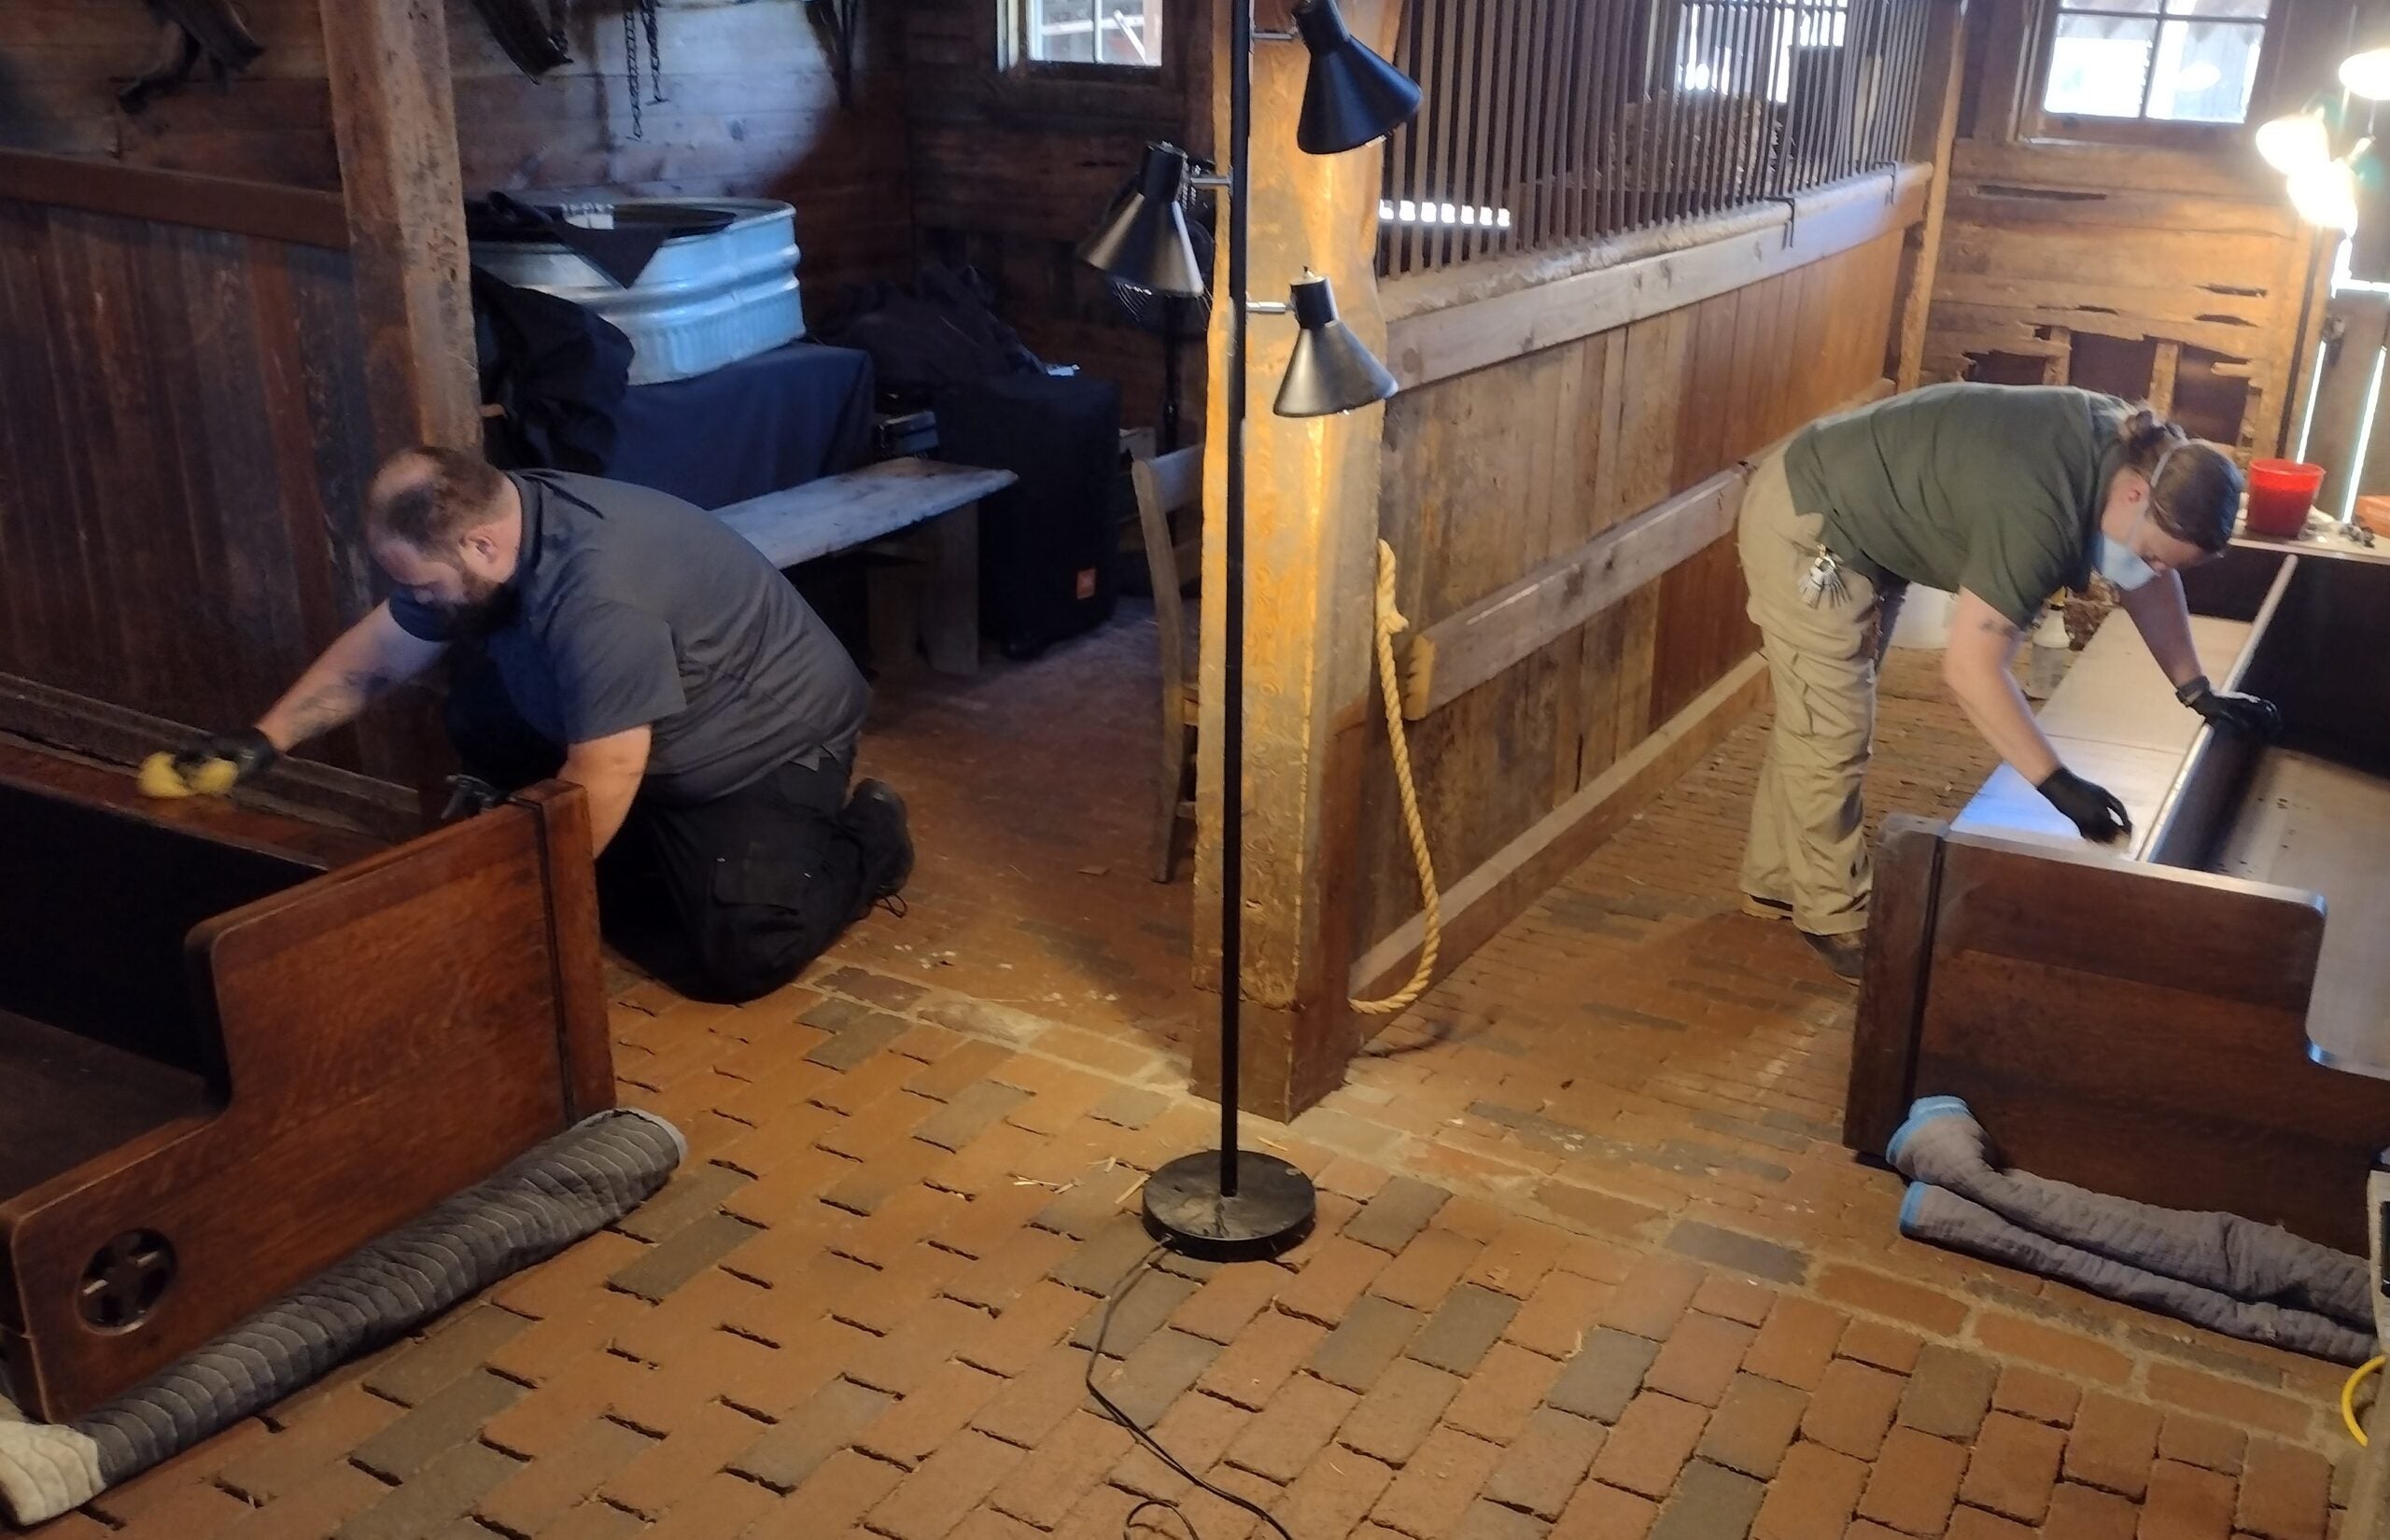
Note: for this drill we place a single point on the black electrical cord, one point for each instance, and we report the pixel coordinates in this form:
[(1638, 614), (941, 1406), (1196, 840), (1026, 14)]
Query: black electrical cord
[(1121, 1291)]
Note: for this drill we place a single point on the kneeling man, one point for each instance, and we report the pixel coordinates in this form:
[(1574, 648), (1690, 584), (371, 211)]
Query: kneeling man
[(632, 644)]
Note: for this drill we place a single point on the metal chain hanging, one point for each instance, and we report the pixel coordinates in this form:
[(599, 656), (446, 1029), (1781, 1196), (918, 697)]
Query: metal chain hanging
[(641, 16), (631, 66), (654, 50)]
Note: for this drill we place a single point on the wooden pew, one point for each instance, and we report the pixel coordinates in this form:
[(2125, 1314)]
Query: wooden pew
[(2195, 1019), (227, 1061)]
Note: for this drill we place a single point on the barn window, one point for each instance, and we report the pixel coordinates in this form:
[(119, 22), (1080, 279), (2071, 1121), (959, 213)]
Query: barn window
[(2153, 61), (1122, 32)]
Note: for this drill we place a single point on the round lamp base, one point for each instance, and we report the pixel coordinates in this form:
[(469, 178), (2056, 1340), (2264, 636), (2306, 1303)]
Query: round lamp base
[(1272, 1212)]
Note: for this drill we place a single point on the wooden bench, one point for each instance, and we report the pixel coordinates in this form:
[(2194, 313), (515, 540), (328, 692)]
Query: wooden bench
[(227, 1061), (929, 598), (2169, 1020)]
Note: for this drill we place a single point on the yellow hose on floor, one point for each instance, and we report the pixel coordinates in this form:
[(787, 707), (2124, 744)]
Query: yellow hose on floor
[(2348, 1400), (1390, 625)]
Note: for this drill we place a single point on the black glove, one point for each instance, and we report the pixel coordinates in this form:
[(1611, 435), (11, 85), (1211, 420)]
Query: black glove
[(248, 752), (2234, 713), (2093, 809)]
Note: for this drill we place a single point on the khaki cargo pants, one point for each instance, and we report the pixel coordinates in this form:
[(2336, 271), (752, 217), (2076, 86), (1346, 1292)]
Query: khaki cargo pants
[(1809, 846)]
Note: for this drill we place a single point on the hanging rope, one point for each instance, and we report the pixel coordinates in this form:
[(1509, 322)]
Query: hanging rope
[(1390, 625)]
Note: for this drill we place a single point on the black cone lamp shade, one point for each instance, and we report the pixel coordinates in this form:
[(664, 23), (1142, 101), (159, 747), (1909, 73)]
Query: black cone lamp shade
[(1332, 371), (1352, 96), (1144, 242)]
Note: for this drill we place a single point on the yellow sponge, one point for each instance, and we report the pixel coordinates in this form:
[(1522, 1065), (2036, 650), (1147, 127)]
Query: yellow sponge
[(159, 778)]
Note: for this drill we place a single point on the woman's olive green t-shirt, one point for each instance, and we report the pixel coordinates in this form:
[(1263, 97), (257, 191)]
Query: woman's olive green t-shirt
[(1994, 489)]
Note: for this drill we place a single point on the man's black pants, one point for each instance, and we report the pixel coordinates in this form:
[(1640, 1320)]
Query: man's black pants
[(725, 900)]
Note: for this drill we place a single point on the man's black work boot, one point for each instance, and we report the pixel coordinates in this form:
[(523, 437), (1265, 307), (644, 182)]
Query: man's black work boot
[(1845, 954), (875, 816)]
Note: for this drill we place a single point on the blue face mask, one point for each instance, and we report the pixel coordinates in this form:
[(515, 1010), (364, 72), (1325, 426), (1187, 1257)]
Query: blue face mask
[(2119, 563)]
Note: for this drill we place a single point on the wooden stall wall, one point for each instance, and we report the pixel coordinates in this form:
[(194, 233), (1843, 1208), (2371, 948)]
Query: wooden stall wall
[(751, 109), (1491, 473), (1013, 167), (63, 61), (185, 438), (2152, 278), (204, 349), (2172, 270)]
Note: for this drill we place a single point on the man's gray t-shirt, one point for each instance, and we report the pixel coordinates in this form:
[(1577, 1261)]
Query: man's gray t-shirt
[(635, 608)]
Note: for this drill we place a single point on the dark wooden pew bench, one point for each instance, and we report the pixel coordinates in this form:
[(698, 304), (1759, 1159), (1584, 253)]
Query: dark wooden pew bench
[(2200, 1019), (233, 1049)]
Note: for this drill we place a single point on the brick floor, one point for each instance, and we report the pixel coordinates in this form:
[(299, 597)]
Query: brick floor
[(1591, 1261)]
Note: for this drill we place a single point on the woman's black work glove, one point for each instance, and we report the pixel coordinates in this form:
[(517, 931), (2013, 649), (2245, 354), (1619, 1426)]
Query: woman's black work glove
[(2093, 809), (2244, 714), (248, 752)]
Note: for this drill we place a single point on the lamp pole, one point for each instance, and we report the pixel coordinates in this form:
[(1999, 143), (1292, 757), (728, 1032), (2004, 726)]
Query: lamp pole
[(1232, 595), (1242, 1207)]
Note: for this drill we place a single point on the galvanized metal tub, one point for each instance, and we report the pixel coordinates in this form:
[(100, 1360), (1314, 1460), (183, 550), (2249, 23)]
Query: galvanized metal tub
[(702, 301)]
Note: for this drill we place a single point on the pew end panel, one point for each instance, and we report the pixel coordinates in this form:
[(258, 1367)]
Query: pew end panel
[(373, 1038), (2167, 1020)]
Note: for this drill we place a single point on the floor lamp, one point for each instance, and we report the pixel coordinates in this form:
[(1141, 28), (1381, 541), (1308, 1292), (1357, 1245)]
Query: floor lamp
[(1230, 1204)]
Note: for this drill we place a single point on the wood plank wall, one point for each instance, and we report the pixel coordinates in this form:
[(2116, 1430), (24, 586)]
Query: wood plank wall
[(1491, 473), (60, 62), (184, 446), (751, 110), (946, 153), (1012, 169), (2056, 267), (2175, 272)]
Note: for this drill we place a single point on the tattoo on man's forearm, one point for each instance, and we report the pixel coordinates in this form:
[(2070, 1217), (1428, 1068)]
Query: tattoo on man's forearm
[(322, 709)]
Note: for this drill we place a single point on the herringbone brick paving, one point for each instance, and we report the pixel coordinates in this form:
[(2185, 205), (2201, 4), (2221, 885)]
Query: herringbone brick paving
[(1590, 1261)]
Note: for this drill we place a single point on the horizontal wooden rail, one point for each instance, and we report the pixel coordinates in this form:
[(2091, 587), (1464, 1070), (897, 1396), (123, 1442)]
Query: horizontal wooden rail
[(1450, 323), (1486, 899), (78, 725), (300, 216), (1465, 650)]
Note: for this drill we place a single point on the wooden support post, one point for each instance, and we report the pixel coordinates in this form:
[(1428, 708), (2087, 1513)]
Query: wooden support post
[(1933, 136), (2162, 368), (395, 120), (1311, 509)]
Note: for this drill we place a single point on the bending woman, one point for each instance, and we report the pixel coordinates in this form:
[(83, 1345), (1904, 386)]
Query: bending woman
[(2002, 495)]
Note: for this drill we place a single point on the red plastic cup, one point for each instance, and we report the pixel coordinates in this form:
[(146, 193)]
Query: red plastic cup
[(2279, 494)]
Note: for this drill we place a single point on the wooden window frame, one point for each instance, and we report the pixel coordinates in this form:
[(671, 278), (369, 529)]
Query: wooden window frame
[(2034, 121), (1012, 42)]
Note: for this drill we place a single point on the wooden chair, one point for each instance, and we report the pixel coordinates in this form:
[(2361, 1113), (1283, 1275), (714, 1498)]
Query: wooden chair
[(1172, 483)]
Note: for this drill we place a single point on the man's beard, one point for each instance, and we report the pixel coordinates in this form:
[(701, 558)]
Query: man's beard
[(485, 607)]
